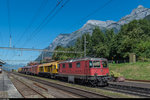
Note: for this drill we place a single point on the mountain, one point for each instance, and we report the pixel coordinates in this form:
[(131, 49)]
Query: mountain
[(147, 17), (69, 39), (13, 66)]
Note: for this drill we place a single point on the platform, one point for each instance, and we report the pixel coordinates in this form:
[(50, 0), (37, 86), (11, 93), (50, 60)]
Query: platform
[(7, 89)]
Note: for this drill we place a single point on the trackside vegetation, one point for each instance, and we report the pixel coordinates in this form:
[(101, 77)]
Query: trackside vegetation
[(133, 37), (137, 71)]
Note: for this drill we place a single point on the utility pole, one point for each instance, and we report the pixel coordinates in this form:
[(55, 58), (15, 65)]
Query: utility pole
[(42, 57), (10, 42), (84, 46)]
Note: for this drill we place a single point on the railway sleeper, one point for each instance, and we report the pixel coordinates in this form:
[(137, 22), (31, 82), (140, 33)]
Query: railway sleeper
[(131, 88)]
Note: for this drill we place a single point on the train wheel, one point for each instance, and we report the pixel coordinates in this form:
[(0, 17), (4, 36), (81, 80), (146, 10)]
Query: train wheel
[(93, 83)]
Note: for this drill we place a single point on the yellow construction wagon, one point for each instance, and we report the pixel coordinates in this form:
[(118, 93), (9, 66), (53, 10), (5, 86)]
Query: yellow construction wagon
[(48, 69)]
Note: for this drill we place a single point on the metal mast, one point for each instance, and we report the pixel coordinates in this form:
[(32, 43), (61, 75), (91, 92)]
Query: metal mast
[(84, 46), (10, 42)]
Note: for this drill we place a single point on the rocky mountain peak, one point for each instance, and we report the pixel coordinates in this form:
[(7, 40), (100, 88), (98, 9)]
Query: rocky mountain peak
[(140, 6), (138, 13), (137, 10), (99, 23)]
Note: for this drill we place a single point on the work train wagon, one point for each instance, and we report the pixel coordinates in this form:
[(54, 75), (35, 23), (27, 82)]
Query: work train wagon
[(87, 70), (48, 69)]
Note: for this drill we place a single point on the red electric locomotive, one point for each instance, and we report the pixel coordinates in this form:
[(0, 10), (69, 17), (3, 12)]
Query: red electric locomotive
[(88, 70)]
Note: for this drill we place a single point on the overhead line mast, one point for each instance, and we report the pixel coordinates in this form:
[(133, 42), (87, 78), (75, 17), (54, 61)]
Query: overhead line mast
[(84, 46), (9, 22), (43, 4), (9, 26), (10, 41)]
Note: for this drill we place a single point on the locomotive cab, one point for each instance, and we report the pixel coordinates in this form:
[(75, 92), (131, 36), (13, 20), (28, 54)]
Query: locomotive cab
[(100, 68), (99, 72)]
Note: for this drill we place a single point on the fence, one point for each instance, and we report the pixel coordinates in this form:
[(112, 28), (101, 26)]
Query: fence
[(118, 61)]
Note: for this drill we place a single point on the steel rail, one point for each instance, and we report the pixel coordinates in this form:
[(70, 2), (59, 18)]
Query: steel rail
[(141, 91), (40, 86), (28, 87), (76, 91), (138, 80), (125, 91)]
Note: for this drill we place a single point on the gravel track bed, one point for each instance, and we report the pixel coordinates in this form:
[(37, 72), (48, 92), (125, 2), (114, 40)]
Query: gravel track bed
[(75, 91), (47, 91), (115, 93), (25, 90)]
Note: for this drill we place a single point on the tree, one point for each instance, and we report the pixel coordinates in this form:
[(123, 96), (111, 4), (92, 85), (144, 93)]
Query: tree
[(130, 36), (110, 37), (98, 40), (143, 49)]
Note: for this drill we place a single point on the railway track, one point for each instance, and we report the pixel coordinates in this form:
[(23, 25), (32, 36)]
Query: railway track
[(129, 89), (148, 81), (127, 92), (72, 90), (24, 89)]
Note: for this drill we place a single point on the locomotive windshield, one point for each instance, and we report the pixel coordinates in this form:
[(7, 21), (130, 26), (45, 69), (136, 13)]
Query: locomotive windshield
[(96, 63), (90, 64), (104, 63)]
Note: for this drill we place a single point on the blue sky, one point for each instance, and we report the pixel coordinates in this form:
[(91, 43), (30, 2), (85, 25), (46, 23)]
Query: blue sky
[(22, 12)]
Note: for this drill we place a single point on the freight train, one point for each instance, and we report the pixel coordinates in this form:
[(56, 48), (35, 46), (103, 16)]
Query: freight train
[(93, 71)]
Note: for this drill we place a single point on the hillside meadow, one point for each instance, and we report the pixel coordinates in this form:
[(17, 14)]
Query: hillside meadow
[(137, 71)]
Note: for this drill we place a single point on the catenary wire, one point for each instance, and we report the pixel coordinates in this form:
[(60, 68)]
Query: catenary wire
[(41, 7), (50, 18), (90, 14), (45, 19), (43, 4)]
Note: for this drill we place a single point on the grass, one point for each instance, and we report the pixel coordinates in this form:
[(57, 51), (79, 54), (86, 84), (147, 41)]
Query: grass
[(137, 71)]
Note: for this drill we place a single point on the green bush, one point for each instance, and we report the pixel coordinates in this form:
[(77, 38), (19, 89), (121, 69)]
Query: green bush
[(115, 74)]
